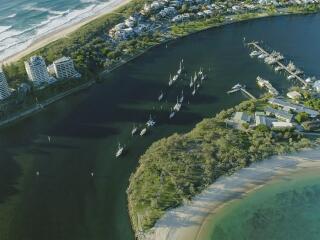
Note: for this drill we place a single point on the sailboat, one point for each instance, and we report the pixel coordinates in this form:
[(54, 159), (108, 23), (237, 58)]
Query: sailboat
[(177, 106), (134, 130), (195, 77), (182, 97), (191, 83), (170, 80), (120, 150), (143, 131), (172, 114), (49, 139), (194, 90), (175, 77), (180, 68), (160, 96)]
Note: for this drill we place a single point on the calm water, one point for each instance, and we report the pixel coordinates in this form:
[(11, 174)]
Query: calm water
[(65, 202), (286, 209), (23, 21)]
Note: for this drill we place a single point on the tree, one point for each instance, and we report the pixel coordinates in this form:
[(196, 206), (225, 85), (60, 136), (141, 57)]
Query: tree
[(301, 117)]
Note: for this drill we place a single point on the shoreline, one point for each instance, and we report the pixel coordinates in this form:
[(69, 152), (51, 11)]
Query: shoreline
[(189, 221), (63, 31)]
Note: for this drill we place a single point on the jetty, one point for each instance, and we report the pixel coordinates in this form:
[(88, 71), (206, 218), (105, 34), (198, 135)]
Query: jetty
[(243, 89), (282, 66)]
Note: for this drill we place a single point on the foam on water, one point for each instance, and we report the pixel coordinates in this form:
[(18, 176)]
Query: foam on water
[(13, 40)]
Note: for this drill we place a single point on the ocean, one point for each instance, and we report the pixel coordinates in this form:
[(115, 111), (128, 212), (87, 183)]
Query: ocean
[(24, 21)]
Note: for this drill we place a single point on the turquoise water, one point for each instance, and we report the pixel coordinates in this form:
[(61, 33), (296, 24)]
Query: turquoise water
[(288, 208), (23, 21)]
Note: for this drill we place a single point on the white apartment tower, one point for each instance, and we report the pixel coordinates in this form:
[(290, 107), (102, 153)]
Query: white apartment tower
[(37, 70), (64, 68), (4, 88)]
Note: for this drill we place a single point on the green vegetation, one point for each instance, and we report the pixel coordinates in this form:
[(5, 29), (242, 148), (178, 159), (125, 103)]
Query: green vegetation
[(176, 168), (301, 117), (313, 103)]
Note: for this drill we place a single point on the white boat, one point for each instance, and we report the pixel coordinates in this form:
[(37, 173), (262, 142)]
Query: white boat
[(191, 83), (177, 106), (254, 53), (200, 73), (182, 97), (290, 77), (120, 150), (150, 122), (172, 114), (134, 130), (291, 67), (180, 68), (170, 80), (195, 78), (198, 85), (263, 55), (308, 80), (194, 91), (278, 68), (160, 96), (49, 139), (175, 77), (143, 132)]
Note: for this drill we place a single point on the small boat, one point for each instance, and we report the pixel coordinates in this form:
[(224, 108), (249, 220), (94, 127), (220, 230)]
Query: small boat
[(143, 132), (308, 80), (180, 68), (278, 68), (177, 106), (291, 67), (191, 82), (194, 91), (195, 78), (175, 77), (263, 55), (49, 139), (134, 130), (200, 73), (120, 150), (170, 81), (182, 97), (254, 53), (150, 122), (198, 85), (172, 114), (291, 77), (160, 96)]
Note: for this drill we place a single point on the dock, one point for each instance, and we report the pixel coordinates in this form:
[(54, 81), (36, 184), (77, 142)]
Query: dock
[(284, 67), (244, 91)]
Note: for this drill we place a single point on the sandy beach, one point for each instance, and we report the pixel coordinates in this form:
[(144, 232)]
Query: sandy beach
[(188, 221), (63, 31)]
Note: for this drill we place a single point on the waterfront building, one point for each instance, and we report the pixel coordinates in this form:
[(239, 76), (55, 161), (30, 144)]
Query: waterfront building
[(294, 95), (64, 68), (280, 114), (287, 106), (4, 88), (37, 71)]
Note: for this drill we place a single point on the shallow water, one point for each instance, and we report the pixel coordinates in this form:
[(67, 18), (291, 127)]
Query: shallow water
[(287, 208), (65, 202)]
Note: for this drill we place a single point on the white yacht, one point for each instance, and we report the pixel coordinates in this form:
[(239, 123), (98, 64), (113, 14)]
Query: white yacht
[(254, 53), (194, 91), (191, 83), (134, 130), (120, 150), (291, 66), (150, 122), (172, 113), (195, 78), (143, 132), (182, 97), (49, 139), (175, 77), (290, 77), (177, 106), (170, 81), (160, 96)]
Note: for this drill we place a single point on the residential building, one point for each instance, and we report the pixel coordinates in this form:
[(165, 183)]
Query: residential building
[(316, 86), (287, 106), (282, 125), (64, 68), (260, 118), (294, 95), (37, 71), (280, 114), (4, 88)]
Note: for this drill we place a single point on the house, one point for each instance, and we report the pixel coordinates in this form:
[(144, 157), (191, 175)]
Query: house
[(280, 114), (294, 95), (282, 125)]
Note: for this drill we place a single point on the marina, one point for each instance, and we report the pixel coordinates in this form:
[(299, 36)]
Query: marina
[(265, 83), (290, 68), (239, 87)]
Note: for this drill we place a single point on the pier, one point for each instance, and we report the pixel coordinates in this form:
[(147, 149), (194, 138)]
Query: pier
[(284, 67), (243, 90)]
